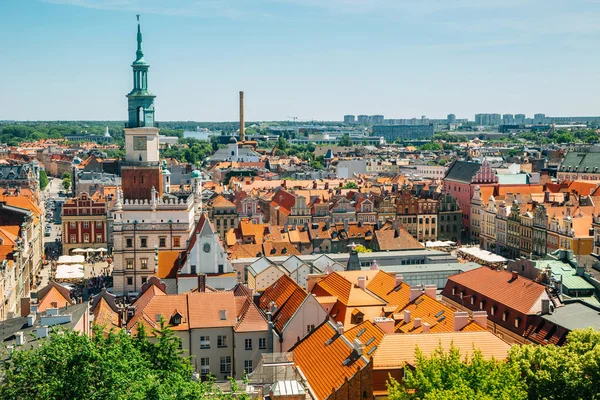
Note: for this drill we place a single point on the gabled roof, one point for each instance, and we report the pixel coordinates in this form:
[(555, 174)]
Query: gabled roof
[(348, 294), (520, 294), (398, 239), (279, 293), (53, 293), (384, 286), (205, 309), (397, 350), (249, 318), (220, 201), (327, 359), (274, 249), (439, 317)]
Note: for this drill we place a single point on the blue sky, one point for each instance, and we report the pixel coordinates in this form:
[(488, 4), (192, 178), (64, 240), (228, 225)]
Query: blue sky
[(314, 59)]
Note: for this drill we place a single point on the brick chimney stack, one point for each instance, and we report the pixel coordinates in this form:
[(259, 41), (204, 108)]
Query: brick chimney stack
[(242, 125)]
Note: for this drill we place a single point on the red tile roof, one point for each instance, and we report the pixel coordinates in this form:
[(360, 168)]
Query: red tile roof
[(520, 294)]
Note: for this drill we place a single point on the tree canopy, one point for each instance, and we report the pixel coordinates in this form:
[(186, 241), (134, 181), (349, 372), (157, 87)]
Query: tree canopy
[(115, 366), (43, 179), (569, 372)]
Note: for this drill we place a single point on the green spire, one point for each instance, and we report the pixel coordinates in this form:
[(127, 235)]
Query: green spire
[(139, 54)]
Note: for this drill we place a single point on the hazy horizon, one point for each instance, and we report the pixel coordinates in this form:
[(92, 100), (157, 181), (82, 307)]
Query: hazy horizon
[(316, 60)]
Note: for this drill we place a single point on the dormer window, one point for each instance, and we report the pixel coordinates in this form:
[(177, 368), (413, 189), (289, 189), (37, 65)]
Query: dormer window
[(176, 318), (223, 315)]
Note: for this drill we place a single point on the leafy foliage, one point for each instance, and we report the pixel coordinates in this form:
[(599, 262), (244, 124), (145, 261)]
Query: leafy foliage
[(116, 366), (561, 373), (346, 141), (449, 376), (66, 181), (351, 185), (362, 249), (570, 372), (43, 179)]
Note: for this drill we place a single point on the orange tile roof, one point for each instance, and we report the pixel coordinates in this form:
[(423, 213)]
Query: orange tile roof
[(205, 309), (165, 307), (439, 316), (327, 360), (240, 250), (520, 294), (384, 286), (250, 319), (273, 249), (397, 350), (279, 292), (168, 263), (106, 317), (221, 201), (346, 292), (53, 296), (387, 240)]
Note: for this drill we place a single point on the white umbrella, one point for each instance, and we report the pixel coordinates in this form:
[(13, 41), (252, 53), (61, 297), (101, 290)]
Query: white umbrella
[(90, 250), (101, 249), (78, 250)]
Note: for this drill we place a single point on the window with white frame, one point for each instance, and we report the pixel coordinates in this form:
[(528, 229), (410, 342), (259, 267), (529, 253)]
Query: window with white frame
[(226, 365), (222, 341), (204, 366), (248, 344), (247, 366), (262, 343), (205, 342)]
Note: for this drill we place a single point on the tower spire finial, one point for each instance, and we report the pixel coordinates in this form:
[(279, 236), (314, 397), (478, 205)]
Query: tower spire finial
[(139, 53)]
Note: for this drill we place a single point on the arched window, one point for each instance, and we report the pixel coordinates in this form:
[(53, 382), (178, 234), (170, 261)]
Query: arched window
[(140, 117)]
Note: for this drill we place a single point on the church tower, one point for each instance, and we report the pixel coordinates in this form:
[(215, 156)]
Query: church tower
[(141, 170)]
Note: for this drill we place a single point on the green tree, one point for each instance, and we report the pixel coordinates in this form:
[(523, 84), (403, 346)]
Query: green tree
[(351, 185), (345, 140), (116, 366), (431, 146), (66, 183), (564, 372), (566, 137), (449, 375), (43, 179)]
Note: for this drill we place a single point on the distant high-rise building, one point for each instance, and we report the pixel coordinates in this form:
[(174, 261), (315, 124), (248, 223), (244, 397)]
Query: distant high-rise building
[(392, 132), (488, 119), (376, 119), (539, 119), (520, 119), (451, 118), (508, 119), (363, 119), (349, 119)]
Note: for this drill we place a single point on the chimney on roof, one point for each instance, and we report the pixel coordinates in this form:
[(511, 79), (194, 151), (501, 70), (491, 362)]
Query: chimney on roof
[(339, 328), (359, 347), (415, 291), (399, 279), (201, 283), (480, 318), (406, 316), (362, 282), (385, 324), (426, 327), (545, 306), (41, 332), (30, 319), (242, 125), (417, 323), (461, 319), (430, 290), (515, 275), (396, 233), (19, 338)]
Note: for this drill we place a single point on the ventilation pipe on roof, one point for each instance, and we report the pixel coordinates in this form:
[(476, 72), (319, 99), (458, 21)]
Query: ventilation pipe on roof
[(426, 327), (407, 316), (417, 323)]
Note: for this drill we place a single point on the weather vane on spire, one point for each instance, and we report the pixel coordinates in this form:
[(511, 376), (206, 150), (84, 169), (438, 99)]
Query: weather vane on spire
[(138, 17)]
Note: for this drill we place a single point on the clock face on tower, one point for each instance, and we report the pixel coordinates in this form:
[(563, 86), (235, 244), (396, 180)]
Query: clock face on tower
[(140, 143)]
